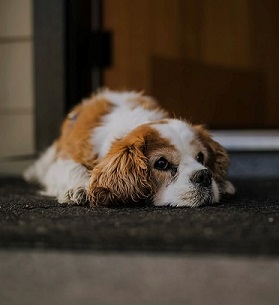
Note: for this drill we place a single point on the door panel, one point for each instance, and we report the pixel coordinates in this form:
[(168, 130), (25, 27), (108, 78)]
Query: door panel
[(189, 90), (227, 50)]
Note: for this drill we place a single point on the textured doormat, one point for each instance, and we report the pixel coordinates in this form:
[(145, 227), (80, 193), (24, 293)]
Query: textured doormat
[(246, 223)]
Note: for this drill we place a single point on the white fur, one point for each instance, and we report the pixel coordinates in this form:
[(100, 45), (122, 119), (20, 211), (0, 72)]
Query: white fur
[(181, 135), (229, 188), (37, 171), (69, 181), (124, 118), (64, 179)]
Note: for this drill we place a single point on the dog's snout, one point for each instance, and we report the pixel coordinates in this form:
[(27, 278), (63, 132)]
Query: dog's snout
[(202, 177)]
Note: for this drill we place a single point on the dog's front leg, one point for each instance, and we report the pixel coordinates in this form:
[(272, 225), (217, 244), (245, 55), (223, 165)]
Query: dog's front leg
[(68, 181)]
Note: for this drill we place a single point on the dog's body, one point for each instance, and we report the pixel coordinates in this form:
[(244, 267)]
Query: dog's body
[(122, 148)]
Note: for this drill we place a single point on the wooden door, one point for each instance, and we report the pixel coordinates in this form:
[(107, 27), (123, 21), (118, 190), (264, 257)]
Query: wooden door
[(210, 61)]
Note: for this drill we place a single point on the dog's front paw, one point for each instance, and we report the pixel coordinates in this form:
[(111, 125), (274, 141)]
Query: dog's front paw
[(77, 196), (229, 188)]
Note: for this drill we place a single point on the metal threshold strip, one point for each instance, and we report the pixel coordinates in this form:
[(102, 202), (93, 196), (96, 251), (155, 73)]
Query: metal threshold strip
[(248, 140)]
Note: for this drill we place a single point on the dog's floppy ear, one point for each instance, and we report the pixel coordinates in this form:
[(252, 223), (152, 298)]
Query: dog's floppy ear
[(122, 176), (217, 161)]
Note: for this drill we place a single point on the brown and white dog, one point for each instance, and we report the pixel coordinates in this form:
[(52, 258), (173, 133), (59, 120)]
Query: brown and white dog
[(121, 147)]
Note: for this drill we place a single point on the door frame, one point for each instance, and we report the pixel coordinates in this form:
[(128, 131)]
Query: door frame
[(62, 33)]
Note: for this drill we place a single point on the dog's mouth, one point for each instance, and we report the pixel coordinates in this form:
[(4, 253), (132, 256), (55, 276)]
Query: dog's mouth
[(205, 197), (199, 196), (190, 195)]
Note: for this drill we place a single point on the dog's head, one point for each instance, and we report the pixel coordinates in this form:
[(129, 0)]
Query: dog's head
[(168, 162)]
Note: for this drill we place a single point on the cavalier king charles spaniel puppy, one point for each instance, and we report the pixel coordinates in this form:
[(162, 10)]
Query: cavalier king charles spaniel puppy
[(121, 147)]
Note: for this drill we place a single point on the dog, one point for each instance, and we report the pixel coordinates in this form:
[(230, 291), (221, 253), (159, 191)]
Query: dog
[(123, 148)]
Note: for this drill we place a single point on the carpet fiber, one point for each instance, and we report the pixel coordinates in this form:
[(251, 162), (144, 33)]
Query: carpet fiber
[(246, 223)]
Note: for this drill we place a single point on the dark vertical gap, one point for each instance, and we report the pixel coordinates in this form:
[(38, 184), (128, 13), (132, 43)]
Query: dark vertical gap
[(96, 27), (77, 48)]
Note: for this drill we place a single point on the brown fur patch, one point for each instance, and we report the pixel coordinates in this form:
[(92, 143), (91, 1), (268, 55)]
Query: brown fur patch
[(218, 159), (75, 134), (162, 121), (148, 103), (124, 174), (160, 147)]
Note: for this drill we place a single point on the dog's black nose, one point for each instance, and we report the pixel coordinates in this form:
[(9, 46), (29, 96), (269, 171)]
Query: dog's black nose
[(202, 177)]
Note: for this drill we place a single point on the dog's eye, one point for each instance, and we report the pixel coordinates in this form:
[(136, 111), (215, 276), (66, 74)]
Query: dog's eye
[(162, 164), (200, 157)]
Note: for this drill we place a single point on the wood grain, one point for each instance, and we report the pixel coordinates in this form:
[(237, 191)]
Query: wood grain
[(233, 35)]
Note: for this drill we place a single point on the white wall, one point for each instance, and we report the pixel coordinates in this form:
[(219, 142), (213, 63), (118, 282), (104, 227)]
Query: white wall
[(16, 83)]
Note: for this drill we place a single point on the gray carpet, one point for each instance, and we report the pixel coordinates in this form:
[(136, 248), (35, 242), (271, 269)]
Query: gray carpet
[(246, 223)]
